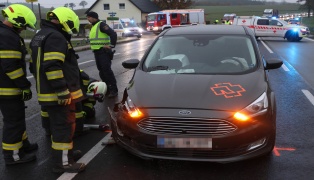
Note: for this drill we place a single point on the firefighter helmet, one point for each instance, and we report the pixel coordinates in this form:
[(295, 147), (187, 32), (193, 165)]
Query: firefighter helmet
[(67, 18), (97, 90), (20, 16)]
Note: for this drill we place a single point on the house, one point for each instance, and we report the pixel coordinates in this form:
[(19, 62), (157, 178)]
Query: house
[(136, 9)]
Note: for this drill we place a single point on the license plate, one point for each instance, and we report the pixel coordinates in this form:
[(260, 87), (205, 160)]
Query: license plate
[(166, 142)]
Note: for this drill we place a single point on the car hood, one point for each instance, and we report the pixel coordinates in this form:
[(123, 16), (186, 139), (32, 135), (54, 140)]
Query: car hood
[(216, 92), (297, 26)]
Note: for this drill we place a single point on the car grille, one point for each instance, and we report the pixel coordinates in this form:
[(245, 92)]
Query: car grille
[(150, 24), (197, 127)]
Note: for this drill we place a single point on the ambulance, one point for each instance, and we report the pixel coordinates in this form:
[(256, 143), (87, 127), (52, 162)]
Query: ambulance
[(126, 27), (273, 27)]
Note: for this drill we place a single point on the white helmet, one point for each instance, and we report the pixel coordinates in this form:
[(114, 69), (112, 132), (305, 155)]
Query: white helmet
[(97, 90)]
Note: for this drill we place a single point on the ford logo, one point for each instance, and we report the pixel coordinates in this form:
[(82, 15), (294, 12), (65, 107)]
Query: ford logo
[(185, 112)]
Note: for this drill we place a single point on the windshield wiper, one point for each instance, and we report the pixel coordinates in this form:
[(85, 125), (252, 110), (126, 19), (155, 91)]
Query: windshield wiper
[(156, 68)]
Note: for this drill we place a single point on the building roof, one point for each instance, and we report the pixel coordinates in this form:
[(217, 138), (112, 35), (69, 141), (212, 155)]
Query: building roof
[(145, 6)]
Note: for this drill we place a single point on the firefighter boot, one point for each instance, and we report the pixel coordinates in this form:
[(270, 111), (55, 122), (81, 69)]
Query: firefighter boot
[(17, 157), (64, 162), (29, 147), (113, 91)]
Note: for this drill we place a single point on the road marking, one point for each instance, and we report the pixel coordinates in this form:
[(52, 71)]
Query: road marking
[(309, 39), (78, 64), (309, 96), (87, 157), (269, 50), (284, 67), (277, 149)]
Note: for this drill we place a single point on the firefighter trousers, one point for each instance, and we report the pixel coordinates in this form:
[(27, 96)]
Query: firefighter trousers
[(79, 118), (106, 74), (62, 126), (14, 126)]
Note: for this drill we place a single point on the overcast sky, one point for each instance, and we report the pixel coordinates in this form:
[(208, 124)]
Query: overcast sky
[(57, 3)]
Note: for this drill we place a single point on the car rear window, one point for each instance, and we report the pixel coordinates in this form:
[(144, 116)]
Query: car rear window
[(200, 54)]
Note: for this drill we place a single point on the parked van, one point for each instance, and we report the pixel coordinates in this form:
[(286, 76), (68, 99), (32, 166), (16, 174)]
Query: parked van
[(126, 27)]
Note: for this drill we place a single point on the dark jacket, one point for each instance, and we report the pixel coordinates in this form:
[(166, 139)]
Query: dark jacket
[(12, 64), (54, 65)]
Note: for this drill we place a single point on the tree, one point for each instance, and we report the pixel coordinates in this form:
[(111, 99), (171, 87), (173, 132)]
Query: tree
[(309, 4), (52, 8), (72, 5), (173, 4), (83, 4), (66, 5)]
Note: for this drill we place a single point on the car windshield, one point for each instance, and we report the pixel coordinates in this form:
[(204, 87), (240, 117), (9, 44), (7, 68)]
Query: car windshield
[(129, 24), (200, 54)]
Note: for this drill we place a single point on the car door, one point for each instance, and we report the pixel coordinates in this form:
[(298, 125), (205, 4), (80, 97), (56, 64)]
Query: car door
[(275, 28), (261, 29)]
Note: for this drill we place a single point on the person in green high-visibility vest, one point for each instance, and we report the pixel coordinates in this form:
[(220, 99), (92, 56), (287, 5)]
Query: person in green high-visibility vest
[(102, 40)]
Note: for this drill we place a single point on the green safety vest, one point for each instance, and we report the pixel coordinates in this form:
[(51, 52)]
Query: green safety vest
[(97, 38)]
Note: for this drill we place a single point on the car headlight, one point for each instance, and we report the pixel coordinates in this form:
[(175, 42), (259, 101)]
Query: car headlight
[(258, 107), (132, 110), (127, 31)]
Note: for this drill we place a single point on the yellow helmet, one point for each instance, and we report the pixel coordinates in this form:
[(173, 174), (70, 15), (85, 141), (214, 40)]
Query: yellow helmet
[(67, 18), (20, 16)]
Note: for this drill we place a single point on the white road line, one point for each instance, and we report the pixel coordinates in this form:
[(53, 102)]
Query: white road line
[(284, 67), (28, 77), (270, 51), (87, 157), (309, 96), (117, 53), (309, 39)]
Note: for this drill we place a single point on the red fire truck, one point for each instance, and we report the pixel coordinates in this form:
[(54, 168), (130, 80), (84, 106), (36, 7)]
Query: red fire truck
[(159, 21)]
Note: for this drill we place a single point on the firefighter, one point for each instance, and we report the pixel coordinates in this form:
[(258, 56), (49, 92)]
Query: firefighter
[(14, 86), (57, 76), (102, 40), (84, 109)]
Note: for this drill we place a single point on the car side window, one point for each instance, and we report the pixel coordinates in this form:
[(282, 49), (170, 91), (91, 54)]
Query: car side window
[(262, 22)]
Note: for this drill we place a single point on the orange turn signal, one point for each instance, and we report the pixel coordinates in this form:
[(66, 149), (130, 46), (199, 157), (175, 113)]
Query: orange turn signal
[(241, 117), (136, 113)]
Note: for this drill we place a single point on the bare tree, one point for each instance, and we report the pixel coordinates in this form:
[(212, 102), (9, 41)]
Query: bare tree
[(309, 4), (83, 4), (72, 5)]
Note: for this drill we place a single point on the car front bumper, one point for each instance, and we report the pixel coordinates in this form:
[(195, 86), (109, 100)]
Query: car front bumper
[(234, 146)]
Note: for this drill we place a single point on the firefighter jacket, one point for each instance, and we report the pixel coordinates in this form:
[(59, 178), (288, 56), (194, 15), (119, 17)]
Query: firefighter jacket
[(54, 65), (12, 64), (86, 80), (101, 34)]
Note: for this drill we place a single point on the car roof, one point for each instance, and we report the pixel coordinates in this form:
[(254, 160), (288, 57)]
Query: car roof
[(209, 30)]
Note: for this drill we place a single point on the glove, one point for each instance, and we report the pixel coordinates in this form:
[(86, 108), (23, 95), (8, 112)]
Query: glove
[(64, 98), (26, 94)]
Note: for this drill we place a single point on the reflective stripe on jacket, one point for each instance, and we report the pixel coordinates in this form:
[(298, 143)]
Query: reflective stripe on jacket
[(54, 66), (97, 38), (12, 64)]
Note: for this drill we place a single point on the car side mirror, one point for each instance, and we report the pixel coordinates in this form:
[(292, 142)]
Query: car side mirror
[(131, 63), (273, 63)]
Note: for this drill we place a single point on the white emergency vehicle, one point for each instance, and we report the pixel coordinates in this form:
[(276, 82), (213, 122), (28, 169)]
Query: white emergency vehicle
[(126, 27), (272, 27)]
